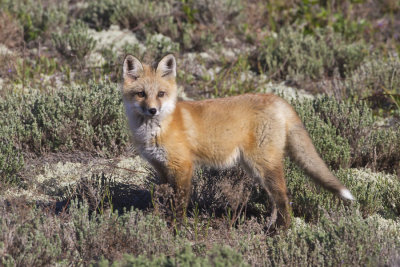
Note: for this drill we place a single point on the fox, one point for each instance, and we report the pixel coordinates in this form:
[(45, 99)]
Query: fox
[(253, 130)]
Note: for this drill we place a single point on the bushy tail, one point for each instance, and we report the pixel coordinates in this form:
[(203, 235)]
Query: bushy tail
[(303, 152)]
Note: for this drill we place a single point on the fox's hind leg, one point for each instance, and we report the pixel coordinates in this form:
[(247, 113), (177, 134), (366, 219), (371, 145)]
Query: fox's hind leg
[(270, 174), (275, 184)]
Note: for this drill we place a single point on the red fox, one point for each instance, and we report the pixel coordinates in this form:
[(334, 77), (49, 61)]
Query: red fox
[(254, 130)]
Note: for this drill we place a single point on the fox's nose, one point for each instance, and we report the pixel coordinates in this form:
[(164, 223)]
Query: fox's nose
[(152, 111)]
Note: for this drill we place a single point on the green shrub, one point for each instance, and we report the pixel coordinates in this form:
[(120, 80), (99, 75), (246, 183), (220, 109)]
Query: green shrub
[(341, 238), (38, 237), (11, 159), (345, 133), (76, 43), (333, 147), (381, 150), (38, 18), (82, 117), (98, 14), (319, 14), (210, 13), (218, 256), (132, 14), (180, 21), (213, 14), (375, 192), (308, 200), (233, 79), (35, 72), (87, 118), (158, 45), (348, 121), (314, 15), (378, 80), (292, 55), (376, 75), (32, 235), (28, 243)]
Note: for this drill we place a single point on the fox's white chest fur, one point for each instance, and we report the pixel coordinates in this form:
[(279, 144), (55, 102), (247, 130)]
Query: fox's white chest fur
[(145, 135)]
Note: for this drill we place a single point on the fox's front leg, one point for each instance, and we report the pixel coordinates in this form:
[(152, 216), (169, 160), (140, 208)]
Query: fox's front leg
[(180, 177)]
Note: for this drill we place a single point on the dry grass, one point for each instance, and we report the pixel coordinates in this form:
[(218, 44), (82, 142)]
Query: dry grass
[(11, 32)]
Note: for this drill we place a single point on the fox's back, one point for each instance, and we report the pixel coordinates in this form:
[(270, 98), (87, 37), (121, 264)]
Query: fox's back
[(218, 131)]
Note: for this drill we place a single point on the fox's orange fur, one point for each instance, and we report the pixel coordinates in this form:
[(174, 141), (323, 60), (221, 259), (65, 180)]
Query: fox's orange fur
[(254, 130)]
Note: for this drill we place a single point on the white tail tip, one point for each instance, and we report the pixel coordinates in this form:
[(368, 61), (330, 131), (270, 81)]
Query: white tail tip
[(345, 194)]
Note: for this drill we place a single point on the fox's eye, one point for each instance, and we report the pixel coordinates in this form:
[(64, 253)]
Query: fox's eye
[(140, 94), (161, 94)]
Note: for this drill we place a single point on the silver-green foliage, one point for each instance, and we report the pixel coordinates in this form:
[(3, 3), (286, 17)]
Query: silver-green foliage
[(80, 117), (98, 13), (87, 118), (132, 13), (11, 159), (375, 193), (296, 56), (32, 235), (28, 244), (345, 133), (340, 238), (217, 256), (76, 43), (179, 20), (334, 148), (38, 238), (375, 75), (37, 17), (159, 45)]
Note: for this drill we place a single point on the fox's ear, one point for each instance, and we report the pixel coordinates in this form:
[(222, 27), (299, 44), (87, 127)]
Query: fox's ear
[(167, 67), (132, 68)]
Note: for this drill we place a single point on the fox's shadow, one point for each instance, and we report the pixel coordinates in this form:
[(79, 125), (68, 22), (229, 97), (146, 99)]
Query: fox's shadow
[(101, 192), (119, 196), (126, 197)]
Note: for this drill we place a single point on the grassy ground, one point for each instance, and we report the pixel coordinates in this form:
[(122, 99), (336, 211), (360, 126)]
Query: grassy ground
[(74, 192)]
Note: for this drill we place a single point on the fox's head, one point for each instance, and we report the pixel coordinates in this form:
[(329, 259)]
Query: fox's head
[(148, 91)]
